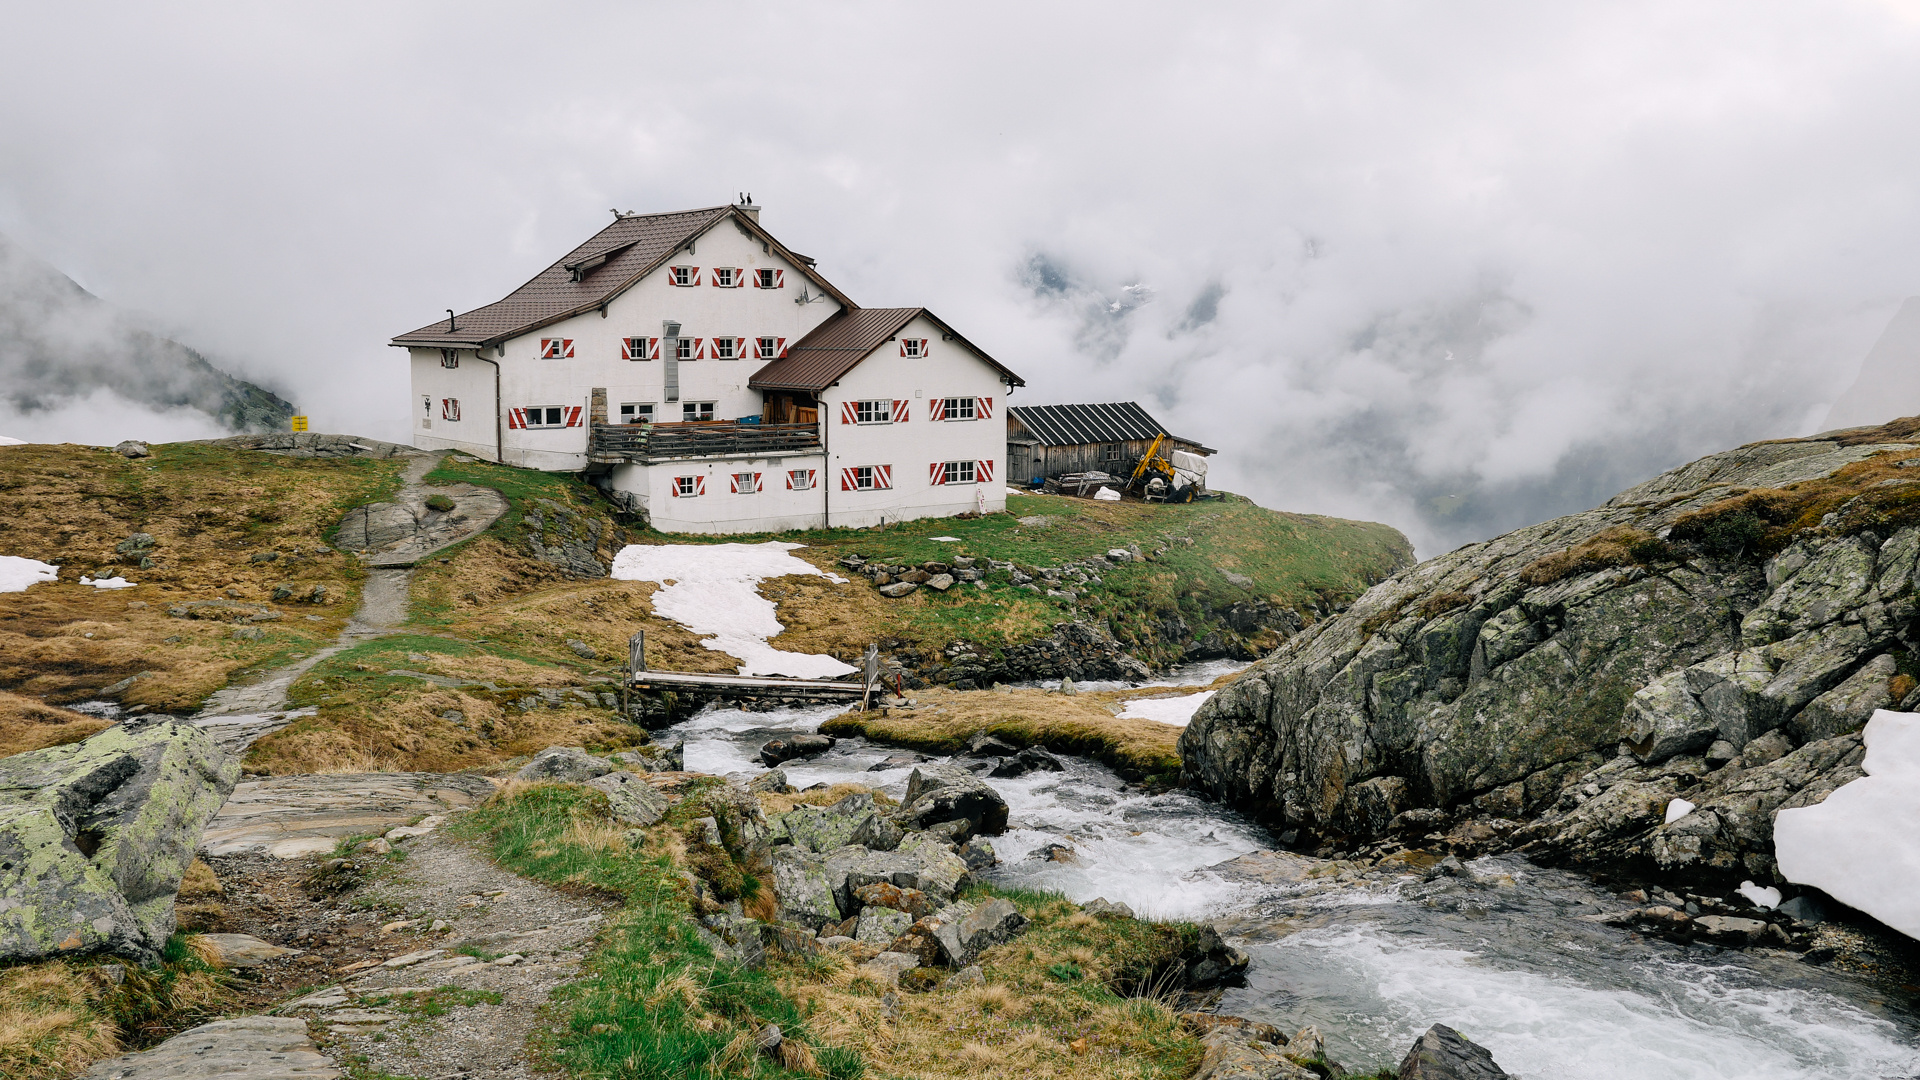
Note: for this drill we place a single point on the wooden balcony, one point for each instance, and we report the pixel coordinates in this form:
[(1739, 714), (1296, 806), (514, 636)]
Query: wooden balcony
[(612, 444)]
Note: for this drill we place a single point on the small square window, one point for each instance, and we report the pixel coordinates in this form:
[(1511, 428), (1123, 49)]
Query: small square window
[(723, 277), (726, 348), (683, 348), (800, 479), (863, 478), (1113, 452), (640, 348), (686, 275), (912, 347), (768, 348), (687, 485), (696, 410), (768, 279), (746, 483), (636, 412)]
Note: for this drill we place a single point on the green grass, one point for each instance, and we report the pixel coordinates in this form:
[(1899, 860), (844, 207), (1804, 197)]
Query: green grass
[(655, 1001)]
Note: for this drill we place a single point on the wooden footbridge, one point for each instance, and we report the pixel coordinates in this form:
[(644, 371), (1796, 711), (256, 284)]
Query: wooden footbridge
[(704, 684)]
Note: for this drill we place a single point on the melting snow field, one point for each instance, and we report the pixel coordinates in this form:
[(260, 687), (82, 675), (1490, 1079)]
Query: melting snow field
[(6, 441), (713, 589), (1177, 711), (1862, 845), (17, 573)]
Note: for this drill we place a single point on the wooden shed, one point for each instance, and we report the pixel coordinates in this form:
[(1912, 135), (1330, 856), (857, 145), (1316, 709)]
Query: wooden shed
[(1052, 440)]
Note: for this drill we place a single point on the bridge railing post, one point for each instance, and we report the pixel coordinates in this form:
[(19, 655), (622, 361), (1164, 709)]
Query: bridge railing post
[(872, 674)]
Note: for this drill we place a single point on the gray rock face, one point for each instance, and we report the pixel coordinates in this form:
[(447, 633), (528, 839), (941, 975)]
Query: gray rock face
[(264, 1047), (630, 799), (827, 828), (964, 931), (563, 765), (946, 793), (1445, 1054), (1465, 685), (95, 836), (132, 448), (657, 757)]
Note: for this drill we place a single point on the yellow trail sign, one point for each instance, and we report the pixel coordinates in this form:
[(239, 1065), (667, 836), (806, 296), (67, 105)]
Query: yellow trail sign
[(299, 423)]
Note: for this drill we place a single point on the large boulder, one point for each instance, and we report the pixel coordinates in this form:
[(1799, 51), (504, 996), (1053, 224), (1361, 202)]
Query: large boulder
[(825, 828), (1585, 666), (95, 837), (1445, 1054), (946, 793), (630, 799), (563, 765)]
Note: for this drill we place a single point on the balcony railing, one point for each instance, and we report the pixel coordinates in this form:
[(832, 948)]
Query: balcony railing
[(613, 443)]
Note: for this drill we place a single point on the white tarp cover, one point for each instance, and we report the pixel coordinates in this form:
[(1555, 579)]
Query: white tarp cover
[(1193, 463), (1862, 845)]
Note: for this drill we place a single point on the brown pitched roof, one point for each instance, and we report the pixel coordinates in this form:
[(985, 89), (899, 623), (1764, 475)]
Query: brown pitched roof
[(612, 261), (833, 348)]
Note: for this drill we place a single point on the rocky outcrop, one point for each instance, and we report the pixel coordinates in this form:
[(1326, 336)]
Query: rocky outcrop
[(95, 837), (563, 765), (578, 544), (942, 794), (315, 444), (264, 1047), (1445, 1054), (1717, 630)]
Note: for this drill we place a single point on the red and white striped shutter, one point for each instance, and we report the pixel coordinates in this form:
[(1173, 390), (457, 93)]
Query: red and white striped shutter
[(733, 483), (699, 348), (933, 409), (566, 348), (573, 415), (923, 346), (847, 481), (849, 412), (883, 477), (983, 471), (699, 485), (653, 348), (756, 481), (739, 277), (696, 275), (675, 487), (779, 279), (901, 411), (789, 479), (984, 408), (780, 348), (626, 349), (516, 418), (937, 473)]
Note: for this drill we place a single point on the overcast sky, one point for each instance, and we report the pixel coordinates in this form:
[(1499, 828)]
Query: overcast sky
[(1457, 267)]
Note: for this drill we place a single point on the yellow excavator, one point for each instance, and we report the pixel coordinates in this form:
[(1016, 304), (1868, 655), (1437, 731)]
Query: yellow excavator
[(1153, 478)]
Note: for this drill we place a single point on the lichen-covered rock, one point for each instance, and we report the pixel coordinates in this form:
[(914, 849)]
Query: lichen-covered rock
[(824, 828), (937, 794), (95, 837), (879, 926), (1496, 678), (630, 799), (964, 931), (563, 765), (803, 888), (1445, 1054)]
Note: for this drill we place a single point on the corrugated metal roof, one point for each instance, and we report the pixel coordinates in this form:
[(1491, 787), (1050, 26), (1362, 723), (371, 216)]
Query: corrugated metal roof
[(1078, 425), (634, 246), (833, 348)]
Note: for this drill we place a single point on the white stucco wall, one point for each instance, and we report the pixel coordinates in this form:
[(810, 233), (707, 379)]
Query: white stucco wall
[(471, 384), (949, 369), (703, 311), (719, 509)]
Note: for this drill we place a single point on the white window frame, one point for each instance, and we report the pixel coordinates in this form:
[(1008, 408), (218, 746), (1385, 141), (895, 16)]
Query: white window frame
[(766, 348), (450, 358), (558, 411), (955, 409), (644, 352), (683, 349), (729, 281), (959, 472), (686, 487), (878, 411), (450, 409), (697, 407), (684, 276), (751, 485), (800, 479), (555, 348), (634, 409), (766, 278), (911, 347), (732, 345)]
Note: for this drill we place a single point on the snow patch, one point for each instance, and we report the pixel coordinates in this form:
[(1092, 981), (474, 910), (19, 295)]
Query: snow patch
[(1760, 896), (945, 539), (5, 441), (107, 583), (1862, 845), (713, 589), (1678, 809), (17, 573), (1177, 711)]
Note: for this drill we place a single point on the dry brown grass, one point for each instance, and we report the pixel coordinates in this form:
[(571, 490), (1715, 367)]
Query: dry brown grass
[(209, 510), (402, 730), (50, 1025), (26, 724), (779, 803), (1617, 545), (1077, 724)]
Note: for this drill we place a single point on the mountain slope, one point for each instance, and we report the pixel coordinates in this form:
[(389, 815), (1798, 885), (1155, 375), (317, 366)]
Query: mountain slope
[(59, 342)]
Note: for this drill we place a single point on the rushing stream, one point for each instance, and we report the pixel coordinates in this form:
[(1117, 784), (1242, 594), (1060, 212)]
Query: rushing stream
[(1501, 955)]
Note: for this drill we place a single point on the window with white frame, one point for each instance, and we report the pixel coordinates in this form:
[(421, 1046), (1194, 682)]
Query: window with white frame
[(542, 416), (800, 479), (769, 279), (450, 409), (640, 348), (686, 275), (746, 483), (449, 358), (956, 472), (767, 348), (686, 348), (556, 348), (723, 277), (688, 486), (870, 477), (726, 348), (958, 408), (696, 410), (913, 346), (636, 412), (873, 412)]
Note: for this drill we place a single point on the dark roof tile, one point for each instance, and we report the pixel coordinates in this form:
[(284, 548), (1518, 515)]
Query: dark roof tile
[(833, 348), (1078, 425)]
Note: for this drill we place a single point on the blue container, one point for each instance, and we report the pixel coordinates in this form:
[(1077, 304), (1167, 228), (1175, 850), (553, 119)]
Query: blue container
[(754, 419)]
